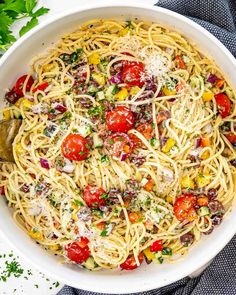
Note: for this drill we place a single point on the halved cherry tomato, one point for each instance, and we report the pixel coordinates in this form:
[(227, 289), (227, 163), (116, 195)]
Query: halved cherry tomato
[(76, 253), (180, 62), (223, 104), (134, 217), (132, 73), (149, 185), (156, 246), (82, 242), (183, 207), (118, 143), (41, 87), (146, 130), (231, 138), (130, 262), (75, 147), (202, 201), (93, 196), (2, 191), (20, 83), (121, 119)]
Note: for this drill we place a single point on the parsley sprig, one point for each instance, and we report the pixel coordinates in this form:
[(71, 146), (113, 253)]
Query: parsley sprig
[(13, 10)]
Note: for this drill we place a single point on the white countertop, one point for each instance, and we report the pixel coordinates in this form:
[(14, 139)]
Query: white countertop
[(32, 282)]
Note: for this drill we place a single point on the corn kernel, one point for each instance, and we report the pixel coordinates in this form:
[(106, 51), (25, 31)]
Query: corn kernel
[(54, 247), (149, 254), (168, 145), (134, 90), (19, 149), (19, 101), (48, 67), (207, 96), (94, 59), (168, 92), (123, 32), (205, 155), (203, 180), (37, 235), (122, 94), (187, 182), (99, 78), (6, 115)]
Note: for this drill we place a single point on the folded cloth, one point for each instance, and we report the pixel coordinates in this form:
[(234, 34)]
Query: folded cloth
[(219, 18)]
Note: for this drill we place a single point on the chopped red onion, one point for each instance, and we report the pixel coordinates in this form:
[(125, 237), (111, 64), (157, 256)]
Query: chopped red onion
[(212, 78), (59, 107), (123, 156), (44, 163), (116, 79), (198, 143), (69, 166)]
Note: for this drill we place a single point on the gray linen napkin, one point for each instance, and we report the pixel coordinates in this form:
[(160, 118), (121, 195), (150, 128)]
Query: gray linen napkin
[(218, 17)]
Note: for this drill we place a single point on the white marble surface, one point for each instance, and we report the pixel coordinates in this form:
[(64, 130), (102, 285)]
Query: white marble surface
[(37, 283)]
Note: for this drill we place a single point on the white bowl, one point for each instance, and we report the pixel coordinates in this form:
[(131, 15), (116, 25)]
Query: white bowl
[(16, 62)]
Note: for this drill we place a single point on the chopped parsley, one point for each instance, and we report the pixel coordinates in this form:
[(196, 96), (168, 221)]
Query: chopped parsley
[(12, 268), (166, 251), (115, 90), (104, 233), (104, 196), (96, 111), (78, 202), (66, 115), (104, 158), (129, 24)]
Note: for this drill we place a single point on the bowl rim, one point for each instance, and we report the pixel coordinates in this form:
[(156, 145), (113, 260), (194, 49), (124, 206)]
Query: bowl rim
[(227, 236)]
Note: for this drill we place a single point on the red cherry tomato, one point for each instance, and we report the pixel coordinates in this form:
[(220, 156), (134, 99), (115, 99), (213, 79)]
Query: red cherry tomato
[(41, 87), (120, 119), (93, 196), (75, 147), (20, 83), (156, 246), (76, 253), (119, 143), (132, 73), (82, 242), (231, 138), (223, 104), (130, 262), (183, 207), (146, 130)]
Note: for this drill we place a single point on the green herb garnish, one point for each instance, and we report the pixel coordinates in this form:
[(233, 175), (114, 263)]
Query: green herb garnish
[(166, 251)]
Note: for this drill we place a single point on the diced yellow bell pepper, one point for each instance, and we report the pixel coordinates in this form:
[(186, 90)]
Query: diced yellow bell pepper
[(37, 235), (122, 94), (54, 247), (205, 155), (123, 32), (207, 96), (187, 182), (168, 145), (99, 78), (27, 104), (6, 115), (94, 58), (74, 206), (168, 92), (19, 149), (169, 199), (149, 254), (203, 180), (134, 90), (74, 217)]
